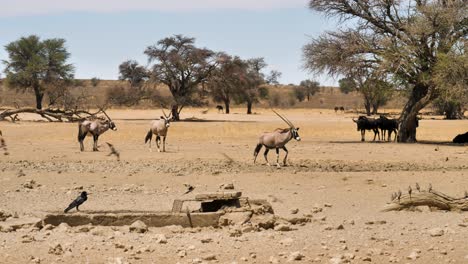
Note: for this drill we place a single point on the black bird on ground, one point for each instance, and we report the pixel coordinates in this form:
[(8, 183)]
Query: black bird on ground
[(189, 187), (77, 202)]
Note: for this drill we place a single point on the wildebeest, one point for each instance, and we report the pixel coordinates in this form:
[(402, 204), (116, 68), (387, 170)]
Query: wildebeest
[(390, 125), (94, 128), (462, 138), (364, 123), (220, 108), (159, 128), (341, 109), (276, 140)]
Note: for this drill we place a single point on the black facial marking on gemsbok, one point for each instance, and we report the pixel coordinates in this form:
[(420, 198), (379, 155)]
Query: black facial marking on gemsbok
[(94, 128), (277, 140), (159, 128)]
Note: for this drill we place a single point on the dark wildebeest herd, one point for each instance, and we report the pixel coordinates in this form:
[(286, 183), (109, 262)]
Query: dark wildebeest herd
[(381, 125)]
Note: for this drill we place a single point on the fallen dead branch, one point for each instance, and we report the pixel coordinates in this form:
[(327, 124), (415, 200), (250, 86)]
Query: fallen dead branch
[(432, 199), (51, 115)]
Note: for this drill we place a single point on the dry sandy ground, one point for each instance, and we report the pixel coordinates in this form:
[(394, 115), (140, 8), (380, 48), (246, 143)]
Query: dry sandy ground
[(330, 169)]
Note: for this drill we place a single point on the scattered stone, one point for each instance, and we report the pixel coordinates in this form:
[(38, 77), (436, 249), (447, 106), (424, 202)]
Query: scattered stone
[(283, 228), (209, 257), (273, 260), (56, 249), (435, 232), (327, 205), (368, 259), (294, 211), (160, 238), (30, 184), (21, 173), (340, 227), (295, 256), (287, 242), (138, 227), (206, 240), (235, 218), (226, 186), (4, 215), (413, 255)]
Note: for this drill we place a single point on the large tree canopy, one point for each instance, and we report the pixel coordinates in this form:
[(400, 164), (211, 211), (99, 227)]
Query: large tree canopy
[(182, 67), (404, 40), (134, 73), (35, 64), (227, 79)]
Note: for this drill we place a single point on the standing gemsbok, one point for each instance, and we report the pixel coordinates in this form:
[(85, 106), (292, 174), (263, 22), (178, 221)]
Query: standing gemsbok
[(94, 128), (276, 140), (159, 128)]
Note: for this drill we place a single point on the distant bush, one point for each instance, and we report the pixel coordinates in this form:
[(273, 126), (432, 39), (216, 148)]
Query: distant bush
[(95, 81)]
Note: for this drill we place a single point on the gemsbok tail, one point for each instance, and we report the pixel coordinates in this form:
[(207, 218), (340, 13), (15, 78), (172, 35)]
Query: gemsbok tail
[(149, 136), (257, 149)]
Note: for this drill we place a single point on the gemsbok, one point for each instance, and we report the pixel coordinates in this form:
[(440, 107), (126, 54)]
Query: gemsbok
[(94, 128), (159, 128), (276, 140)]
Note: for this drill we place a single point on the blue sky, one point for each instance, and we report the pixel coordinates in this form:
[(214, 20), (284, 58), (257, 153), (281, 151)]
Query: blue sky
[(101, 36)]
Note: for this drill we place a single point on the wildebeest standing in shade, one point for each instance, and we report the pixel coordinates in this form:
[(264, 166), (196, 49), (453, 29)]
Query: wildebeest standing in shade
[(336, 109), (159, 128), (390, 125), (364, 123), (94, 128), (220, 108), (276, 140), (342, 109), (461, 138)]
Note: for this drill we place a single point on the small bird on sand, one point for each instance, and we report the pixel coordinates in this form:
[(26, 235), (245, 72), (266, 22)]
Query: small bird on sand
[(189, 188), (399, 195), (410, 190), (77, 202), (430, 188), (113, 151), (418, 188)]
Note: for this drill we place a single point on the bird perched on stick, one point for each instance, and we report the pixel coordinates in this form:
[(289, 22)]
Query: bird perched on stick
[(77, 202), (429, 189), (410, 190), (189, 188), (113, 151), (399, 195), (418, 188)]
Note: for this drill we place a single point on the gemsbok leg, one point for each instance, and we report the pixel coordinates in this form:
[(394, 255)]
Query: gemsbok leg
[(95, 145), (286, 156), (158, 140), (277, 157), (164, 144), (265, 154)]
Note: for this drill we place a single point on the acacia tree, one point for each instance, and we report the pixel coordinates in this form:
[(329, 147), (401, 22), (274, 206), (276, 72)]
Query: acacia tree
[(273, 77), (182, 67), (251, 88), (225, 80), (310, 88), (402, 39), (34, 65), (134, 73)]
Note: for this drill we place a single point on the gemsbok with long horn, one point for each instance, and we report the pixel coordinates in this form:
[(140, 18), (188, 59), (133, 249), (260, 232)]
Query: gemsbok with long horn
[(94, 128), (159, 128), (276, 140)]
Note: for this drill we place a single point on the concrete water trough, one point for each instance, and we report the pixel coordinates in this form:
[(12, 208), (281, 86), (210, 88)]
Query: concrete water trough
[(204, 210)]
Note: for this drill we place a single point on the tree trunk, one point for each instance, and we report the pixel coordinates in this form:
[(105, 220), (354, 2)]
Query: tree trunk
[(419, 98), (367, 105), (375, 109), (39, 96), (175, 112), (249, 108), (226, 105)]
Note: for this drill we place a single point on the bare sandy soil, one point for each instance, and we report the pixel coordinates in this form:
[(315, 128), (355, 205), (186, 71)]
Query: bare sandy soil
[(330, 169)]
